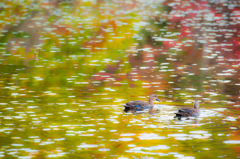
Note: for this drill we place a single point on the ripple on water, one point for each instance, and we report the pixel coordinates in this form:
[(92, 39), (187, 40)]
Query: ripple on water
[(180, 136), (128, 134), (83, 145), (198, 132), (230, 118), (150, 136), (151, 148), (232, 142), (25, 157), (125, 139), (104, 149), (195, 134)]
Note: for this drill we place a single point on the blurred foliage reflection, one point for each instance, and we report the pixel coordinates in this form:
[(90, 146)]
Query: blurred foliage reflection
[(66, 67)]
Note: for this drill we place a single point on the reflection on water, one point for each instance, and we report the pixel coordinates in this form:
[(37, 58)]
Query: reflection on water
[(66, 68), (57, 129)]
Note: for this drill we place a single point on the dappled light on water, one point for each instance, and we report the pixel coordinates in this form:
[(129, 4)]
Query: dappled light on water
[(62, 129), (67, 67)]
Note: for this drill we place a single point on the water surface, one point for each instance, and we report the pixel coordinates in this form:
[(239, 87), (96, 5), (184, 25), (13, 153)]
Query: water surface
[(66, 68)]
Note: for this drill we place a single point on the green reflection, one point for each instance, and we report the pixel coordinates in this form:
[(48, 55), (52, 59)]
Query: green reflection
[(67, 67)]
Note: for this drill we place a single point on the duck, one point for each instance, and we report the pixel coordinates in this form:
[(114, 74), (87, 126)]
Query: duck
[(139, 105), (189, 112)]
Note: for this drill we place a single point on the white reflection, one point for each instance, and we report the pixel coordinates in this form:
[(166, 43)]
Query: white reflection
[(151, 136), (151, 148), (232, 142), (83, 145), (125, 139), (128, 134)]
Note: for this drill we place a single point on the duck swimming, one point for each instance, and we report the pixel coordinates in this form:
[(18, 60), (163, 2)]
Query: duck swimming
[(189, 112), (139, 105)]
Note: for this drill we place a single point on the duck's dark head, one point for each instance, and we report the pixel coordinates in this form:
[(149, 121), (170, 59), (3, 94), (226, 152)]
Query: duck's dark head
[(154, 97)]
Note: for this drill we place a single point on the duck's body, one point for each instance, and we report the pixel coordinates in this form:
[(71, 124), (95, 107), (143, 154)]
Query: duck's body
[(141, 105), (189, 112)]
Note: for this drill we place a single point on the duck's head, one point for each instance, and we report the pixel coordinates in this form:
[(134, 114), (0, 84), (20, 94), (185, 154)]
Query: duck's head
[(154, 97), (196, 104)]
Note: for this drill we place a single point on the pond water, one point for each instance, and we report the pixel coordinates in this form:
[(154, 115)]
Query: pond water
[(67, 67), (65, 121)]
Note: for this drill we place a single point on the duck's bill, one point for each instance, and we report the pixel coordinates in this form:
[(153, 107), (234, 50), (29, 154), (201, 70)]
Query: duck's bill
[(158, 100)]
